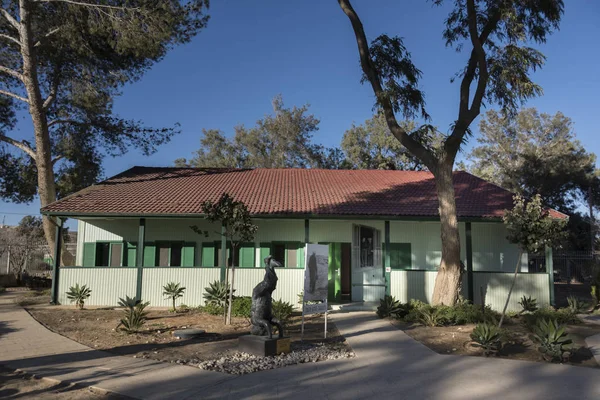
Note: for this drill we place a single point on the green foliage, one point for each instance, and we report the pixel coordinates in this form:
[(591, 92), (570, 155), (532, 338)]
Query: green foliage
[(530, 226), (577, 306), (135, 315), (390, 307), (282, 310), (241, 306), (562, 316), (431, 316), (213, 309), (173, 291), (79, 294), (528, 304), (280, 140), (217, 293), (488, 337), (2, 289), (80, 69), (552, 339), (459, 314)]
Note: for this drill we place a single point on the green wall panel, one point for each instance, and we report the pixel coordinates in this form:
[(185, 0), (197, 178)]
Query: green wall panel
[(149, 255)]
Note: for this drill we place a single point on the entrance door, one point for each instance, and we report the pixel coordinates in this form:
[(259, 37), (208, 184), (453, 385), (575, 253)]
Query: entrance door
[(346, 268), (368, 283)]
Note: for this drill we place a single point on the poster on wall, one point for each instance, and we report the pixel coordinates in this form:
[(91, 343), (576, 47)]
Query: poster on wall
[(315, 274)]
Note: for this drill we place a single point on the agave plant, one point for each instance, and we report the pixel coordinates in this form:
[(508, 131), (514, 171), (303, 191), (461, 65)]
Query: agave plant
[(135, 314), (217, 293), (431, 316), (390, 307), (79, 294), (487, 336), (552, 339), (528, 304), (173, 291), (576, 306)]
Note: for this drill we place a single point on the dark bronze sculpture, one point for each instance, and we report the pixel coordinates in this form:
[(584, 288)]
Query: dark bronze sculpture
[(261, 312)]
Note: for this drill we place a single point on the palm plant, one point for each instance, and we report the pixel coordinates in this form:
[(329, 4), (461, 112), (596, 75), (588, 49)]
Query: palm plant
[(135, 314), (173, 291), (79, 294)]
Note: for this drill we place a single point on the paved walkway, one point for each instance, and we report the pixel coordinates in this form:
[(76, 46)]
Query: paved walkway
[(389, 364)]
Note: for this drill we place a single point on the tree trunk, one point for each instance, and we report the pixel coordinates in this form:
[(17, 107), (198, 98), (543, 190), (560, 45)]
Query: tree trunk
[(447, 282), (43, 150), (512, 286)]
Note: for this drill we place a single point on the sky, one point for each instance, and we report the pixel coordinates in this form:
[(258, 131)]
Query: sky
[(306, 51)]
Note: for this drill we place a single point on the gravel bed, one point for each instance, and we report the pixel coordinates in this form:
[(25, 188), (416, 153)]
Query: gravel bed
[(239, 363)]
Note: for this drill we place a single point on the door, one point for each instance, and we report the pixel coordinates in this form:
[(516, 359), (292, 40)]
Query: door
[(346, 270), (368, 283)]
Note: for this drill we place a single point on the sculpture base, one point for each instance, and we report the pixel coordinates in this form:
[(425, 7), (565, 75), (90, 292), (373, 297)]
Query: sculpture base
[(263, 346)]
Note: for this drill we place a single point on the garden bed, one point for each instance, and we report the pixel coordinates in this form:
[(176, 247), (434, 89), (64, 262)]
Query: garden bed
[(97, 328), (456, 340)]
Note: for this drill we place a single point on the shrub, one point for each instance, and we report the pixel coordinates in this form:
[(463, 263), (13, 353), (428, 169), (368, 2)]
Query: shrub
[(217, 293), (431, 316), (564, 316), (213, 309), (282, 310), (2, 289), (528, 304), (173, 291), (552, 340), (460, 314), (488, 337), (240, 307), (576, 306), (135, 314), (390, 307), (79, 294), (183, 308)]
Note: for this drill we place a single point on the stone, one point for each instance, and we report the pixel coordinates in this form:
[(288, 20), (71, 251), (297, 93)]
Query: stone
[(263, 346), (188, 333)]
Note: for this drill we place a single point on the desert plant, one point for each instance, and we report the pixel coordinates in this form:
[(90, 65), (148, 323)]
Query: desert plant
[(135, 314), (390, 307), (431, 316), (488, 337), (552, 339), (79, 294), (240, 307), (528, 304), (282, 310), (212, 309), (564, 316), (576, 306), (173, 291), (216, 293)]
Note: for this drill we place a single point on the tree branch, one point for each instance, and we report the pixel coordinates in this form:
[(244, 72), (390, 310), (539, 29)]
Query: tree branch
[(81, 3), (11, 20), (10, 38), (13, 95), (52, 94), (63, 121), (56, 159), (20, 145), (373, 76), (11, 72), (50, 33)]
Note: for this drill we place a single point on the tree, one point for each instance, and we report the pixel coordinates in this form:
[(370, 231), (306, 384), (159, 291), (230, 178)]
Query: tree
[(280, 140), (533, 153), (372, 146), (237, 229), (495, 34), (530, 227), (65, 61)]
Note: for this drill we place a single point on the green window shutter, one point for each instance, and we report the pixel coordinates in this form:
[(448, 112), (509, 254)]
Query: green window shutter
[(247, 255), (188, 254), (130, 255), (400, 256), (149, 255), (300, 255), (89, 254), (265, 251), (208, 254)]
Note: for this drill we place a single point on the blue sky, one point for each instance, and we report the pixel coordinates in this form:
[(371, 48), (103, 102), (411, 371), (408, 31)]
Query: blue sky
[(306, 51)]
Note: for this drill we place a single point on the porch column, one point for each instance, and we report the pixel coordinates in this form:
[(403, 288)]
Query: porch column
[(57, 256), (469, 244), (306, 231), (550, 270), (223, 254), (139, 258), (386, 261)]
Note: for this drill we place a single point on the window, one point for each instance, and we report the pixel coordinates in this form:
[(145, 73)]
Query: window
[(173, 254), (369, 246), (400, 256), (103, 254), (289, 254)]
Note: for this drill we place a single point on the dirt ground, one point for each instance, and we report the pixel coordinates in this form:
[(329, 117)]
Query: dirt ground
[(17, 385), (96, 328), (518, 346)]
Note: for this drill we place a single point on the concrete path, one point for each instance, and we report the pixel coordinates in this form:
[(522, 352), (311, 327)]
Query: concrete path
[(389, 364)]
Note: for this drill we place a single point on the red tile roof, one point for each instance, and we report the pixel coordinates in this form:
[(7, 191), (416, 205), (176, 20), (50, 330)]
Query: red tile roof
[(180, 191)]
